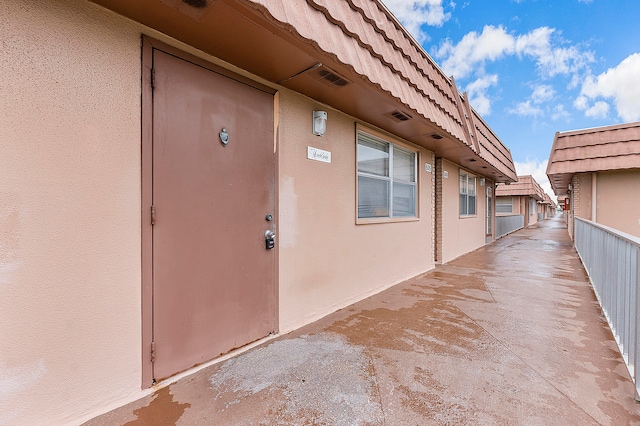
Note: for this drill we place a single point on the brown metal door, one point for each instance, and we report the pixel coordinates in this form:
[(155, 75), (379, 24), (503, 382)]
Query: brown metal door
[(213, 277)]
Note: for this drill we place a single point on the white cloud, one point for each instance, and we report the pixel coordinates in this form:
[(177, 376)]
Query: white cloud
[(494, 43), (474, 49), (537, 169), (559, 113), (531, 108), (620, 83), (414, 14), (477, 91), (551, 57), (599, 110), (526, 109), (544, 46), (542, 93), (581, 102)]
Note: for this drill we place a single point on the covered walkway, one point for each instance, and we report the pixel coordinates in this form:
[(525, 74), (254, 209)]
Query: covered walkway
[(508, 334)]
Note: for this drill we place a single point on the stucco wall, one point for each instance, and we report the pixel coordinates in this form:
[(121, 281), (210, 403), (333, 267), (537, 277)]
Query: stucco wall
[(326, 260), (518, 205), (69, 210), (70, 270), (460, 234), (70, 213), (618, 193), (533, 212)]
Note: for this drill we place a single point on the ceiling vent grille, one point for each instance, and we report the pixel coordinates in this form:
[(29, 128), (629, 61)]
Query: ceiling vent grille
[(399, 116), (330, 77)]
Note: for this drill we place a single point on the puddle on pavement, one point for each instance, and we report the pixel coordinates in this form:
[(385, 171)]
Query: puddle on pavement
[(428, 326), (162, 410)]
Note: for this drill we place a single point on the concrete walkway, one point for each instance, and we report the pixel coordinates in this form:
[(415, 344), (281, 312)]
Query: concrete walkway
[(509, 334)]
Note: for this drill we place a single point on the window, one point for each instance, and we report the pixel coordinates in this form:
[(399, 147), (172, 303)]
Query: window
[(533, 206), (386, 179), (504, 205), (467, 194)]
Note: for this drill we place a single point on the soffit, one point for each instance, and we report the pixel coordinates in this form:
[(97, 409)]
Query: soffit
[(359, 41)]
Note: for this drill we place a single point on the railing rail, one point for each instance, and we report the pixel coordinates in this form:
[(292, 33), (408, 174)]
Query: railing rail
[(508, 224), (612, 260)]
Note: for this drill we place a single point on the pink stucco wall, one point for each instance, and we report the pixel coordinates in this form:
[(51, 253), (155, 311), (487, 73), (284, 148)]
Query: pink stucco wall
[(618, 193), (69, 210), (461, 234), (70, 243), (327, 261), (70, 268)]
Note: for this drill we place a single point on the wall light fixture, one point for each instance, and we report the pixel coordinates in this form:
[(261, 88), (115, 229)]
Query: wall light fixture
[(319, 123)]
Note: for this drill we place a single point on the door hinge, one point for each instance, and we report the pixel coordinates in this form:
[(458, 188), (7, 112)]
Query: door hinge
[(153, 215), (153, 351), (153, 78)]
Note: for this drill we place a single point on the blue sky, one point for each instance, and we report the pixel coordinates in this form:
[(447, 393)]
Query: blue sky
[(535, 67)]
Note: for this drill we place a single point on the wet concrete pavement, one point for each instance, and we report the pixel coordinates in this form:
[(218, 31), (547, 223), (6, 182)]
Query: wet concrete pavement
[(510, 334)]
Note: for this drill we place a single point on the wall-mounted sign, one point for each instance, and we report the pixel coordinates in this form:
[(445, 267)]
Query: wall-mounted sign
[(445, 174), (318, 154), (427, 167)]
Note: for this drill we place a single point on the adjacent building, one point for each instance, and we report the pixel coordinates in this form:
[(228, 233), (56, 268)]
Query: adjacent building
[(597, 171), (520, 204), (547, 207), (183, 178)]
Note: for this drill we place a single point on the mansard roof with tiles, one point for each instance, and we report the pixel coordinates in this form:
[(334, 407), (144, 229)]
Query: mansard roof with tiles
[(597, 149), (352, 55), (526, 185)]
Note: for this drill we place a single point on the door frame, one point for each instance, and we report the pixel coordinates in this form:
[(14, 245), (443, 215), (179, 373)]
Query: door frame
[(489, 196), (148, 46)]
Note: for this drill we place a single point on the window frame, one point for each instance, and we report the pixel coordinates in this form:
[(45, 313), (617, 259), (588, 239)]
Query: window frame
[(393, 144), (466, 213), (510, 204)]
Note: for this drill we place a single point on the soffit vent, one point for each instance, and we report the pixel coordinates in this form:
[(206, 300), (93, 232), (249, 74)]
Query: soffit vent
[(399, 116), (196, 9), (329, 77)]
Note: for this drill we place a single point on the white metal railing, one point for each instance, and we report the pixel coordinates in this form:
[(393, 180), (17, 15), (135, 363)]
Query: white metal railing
[(612, 260), (507, 224)]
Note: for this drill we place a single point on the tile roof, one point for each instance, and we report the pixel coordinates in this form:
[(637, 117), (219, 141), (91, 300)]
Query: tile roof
[(526, 185), (549, 201), (293, 42), (365, 36), (592, 150)]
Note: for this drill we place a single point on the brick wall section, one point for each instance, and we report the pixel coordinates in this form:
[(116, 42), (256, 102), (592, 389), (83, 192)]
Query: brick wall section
[(438, 211), (575, 203), (575, 182), (433, 205)]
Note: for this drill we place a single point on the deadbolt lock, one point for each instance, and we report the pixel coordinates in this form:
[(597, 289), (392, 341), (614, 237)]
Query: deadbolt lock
[(270, 239)]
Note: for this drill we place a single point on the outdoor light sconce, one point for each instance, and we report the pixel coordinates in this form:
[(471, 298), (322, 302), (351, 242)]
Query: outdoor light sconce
[(319, 123)]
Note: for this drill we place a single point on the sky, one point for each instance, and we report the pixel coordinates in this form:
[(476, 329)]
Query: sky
[(532, 68)]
